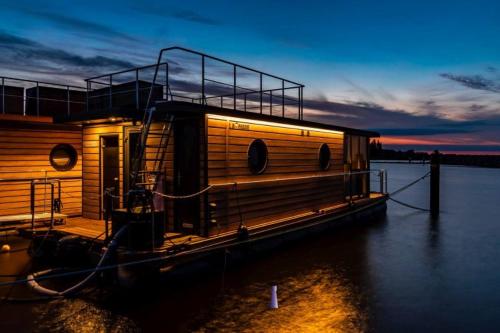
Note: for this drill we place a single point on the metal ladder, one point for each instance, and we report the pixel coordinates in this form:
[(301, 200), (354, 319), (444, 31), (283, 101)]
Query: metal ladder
[(144, 181)]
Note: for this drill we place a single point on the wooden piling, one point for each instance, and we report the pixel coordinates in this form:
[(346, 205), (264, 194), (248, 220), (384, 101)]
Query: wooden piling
[(434, 188)]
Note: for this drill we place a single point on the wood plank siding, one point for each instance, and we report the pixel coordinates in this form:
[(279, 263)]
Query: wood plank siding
[(24, 155), (292, 152), (92, 196)]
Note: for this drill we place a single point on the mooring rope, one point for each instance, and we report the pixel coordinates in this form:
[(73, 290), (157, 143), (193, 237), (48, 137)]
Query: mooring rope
[(410, 184), (409, 206), (390, 195), (180, 197)]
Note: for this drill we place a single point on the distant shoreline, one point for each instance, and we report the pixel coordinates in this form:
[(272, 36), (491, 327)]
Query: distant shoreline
[(480, 161)]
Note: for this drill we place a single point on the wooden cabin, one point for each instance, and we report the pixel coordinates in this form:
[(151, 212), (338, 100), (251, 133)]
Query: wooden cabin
[(246, 157)]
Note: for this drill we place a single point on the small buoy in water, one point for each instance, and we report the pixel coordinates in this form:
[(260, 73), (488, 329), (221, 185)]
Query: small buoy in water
[(274, 297), (5, 248)]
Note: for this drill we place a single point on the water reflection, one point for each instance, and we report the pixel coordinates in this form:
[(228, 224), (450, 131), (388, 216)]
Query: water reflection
[(77, 315), (320, 300), (403, 273)]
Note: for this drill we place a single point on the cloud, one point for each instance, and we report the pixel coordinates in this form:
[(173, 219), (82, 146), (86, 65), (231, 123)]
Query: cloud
[(80, 25), (477, 82), (70, 23), (167, 10), (394, 122), (192, 16), (26, 55)]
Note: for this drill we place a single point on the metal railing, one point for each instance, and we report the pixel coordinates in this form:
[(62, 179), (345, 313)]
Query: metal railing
[(39, 98), (196, 77)]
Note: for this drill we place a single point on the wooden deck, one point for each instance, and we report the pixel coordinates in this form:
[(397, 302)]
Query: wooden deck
[(95, 229)]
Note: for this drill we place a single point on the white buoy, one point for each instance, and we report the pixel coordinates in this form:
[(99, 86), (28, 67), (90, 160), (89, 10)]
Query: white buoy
[(274, 297), (5, 248)]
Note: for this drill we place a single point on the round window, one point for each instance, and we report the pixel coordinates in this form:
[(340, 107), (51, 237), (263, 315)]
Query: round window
[(63, 157), (257, 156), (324, 157)]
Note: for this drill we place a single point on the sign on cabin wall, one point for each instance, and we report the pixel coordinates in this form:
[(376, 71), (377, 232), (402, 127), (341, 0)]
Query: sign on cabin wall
[(239, 126)]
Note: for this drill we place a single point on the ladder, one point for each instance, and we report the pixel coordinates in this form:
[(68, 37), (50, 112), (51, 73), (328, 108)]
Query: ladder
[(151, 150)]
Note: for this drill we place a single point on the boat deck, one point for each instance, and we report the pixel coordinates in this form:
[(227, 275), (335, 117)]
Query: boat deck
[(95, 229)]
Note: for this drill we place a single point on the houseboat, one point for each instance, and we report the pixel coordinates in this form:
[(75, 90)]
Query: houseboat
[(178, 159)]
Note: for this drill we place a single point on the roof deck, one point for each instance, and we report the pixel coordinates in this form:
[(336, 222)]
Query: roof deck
[(180, 77), (190, 76)]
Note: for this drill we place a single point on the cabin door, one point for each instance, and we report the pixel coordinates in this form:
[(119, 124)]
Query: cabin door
[(110, 168), (187, 174), (132, 137)]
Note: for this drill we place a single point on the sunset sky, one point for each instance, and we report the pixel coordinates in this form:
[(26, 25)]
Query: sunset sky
[(426, 74)]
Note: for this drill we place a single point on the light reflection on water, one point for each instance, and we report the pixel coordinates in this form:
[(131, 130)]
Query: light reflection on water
[(401, 273), (319, 301)]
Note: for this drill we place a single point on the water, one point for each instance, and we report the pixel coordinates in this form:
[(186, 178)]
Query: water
[(401, 273)]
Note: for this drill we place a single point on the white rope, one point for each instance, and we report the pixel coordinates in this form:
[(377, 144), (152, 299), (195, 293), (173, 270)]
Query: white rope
[(180, 197)]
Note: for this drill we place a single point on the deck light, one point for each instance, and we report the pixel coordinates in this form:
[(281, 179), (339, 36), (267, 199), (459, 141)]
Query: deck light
[(270, 123)]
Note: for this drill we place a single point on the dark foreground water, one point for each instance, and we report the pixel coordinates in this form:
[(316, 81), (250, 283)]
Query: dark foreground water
[(399, 274)]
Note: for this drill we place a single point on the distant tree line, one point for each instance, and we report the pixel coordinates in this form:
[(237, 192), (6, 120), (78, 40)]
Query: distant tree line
[(377, 152)]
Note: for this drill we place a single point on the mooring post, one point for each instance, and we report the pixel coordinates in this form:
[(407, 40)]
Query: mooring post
[(434, 195)]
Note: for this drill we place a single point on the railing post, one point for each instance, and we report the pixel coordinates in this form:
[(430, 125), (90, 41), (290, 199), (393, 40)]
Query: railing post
[(234, 87), (37, 99), (270, 102), (68, 103), (283, 98), (260, 93), (203, 79), (110, 92), (245, 102), (167, 84), (381, 175), (87, 97), (51, 201), (3, 95), (301, 103), (32, 205), (137, 105), (298, 102)]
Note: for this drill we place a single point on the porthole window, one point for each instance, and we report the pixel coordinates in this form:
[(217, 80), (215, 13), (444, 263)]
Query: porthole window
[(324, 157), (63, 157), (257, 156)]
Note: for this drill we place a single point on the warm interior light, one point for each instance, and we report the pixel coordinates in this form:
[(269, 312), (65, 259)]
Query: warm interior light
[(270, 123), (112, 119)]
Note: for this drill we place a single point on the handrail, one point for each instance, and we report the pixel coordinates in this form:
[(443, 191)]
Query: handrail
[(42, 82), (226, 62), (122, 72), (331, 175)]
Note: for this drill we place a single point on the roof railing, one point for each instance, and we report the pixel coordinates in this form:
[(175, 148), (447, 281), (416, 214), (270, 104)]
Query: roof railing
[(204, 80), (39, 98)]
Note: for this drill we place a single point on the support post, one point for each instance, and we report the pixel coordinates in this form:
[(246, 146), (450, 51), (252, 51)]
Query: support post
[(434, 188), (68, 101), (3, 95), (203, 79), (234, 87), (283, 98), (32, 206), (110, 92), (37, 100), (382, 182), (260, 90), (137, 105)]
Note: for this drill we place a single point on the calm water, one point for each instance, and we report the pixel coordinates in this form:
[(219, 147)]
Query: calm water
[(402, 273)]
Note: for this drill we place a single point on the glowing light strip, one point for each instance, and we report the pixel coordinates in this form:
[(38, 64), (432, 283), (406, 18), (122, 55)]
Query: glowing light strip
[(269, 123)]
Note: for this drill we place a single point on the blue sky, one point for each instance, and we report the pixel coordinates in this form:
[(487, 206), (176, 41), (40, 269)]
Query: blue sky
[(422, 73)]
